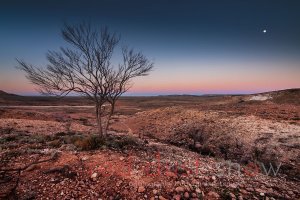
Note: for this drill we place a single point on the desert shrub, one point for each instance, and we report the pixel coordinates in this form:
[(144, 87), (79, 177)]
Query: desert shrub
[(35, 146), (207, 150), (55, 143), (84, 121), (24, 140), (225, 194), (11, 138), (224, 149), (258, 153), (120, 142), (39, 139), (12, 153), (95, 142), (66, 137), (89, 143), (59, 134), (8, 138), (8, 130), (71, 139), (127, 141), (2, 140), (198, 134)]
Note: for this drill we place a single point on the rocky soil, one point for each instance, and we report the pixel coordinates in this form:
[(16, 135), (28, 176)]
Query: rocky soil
[(219, 149), (145, 169), (240, 138)]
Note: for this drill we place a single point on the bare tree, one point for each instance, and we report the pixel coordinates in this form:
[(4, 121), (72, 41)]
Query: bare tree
[(85, 67)]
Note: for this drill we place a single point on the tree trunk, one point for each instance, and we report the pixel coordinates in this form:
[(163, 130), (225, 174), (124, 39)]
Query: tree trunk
[(98, 118), (112, 109)]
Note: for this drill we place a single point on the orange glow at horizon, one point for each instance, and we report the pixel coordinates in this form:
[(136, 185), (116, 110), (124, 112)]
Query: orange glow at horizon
[(229, 78)]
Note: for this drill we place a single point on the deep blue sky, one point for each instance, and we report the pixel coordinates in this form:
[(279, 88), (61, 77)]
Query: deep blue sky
[(197, 46)]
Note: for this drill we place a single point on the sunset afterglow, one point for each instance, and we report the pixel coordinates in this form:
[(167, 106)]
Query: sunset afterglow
[(194, 51)]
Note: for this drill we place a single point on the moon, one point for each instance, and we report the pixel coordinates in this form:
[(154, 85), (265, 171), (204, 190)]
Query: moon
[(264, 31)]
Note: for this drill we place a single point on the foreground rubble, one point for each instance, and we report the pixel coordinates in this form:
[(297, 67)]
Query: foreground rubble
[(146, 170)]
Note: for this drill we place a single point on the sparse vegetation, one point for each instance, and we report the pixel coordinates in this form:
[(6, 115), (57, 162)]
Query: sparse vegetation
[(95, 142), (224, 145), (85, 67), (89, 142)]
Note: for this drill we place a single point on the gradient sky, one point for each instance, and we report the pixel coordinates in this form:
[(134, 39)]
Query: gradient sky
[(200, 46)]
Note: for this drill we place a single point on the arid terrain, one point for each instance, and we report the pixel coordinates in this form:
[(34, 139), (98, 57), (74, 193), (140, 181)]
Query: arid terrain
[(164, 147)]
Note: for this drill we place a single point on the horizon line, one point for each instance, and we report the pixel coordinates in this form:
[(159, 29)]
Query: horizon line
[(156, 94)]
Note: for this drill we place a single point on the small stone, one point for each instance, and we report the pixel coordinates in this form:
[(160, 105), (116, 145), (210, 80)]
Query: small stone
[(187, 188), (162, 198), (122, 158), (262, 194), (177, 197), (94, 175), (171, 174), (198, 190), (259, 190), (141, 189), (213, 194), (198, 145), (232, 195), (52, 180), (119, 183), (155, 192), (194, 195), (186, 195), (213, 178), (84, 158), (179, 189), (92, 187), (243, 191)]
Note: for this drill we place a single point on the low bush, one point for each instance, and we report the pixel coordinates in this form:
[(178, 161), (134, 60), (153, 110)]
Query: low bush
[(71, 139), (8, 130), (89, 143), (127, 141), (121, 142), (8, 138), (207, 150), (95, 142), (55, 143), (40, 139)]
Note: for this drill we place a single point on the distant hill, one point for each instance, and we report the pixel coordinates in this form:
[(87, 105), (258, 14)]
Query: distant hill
[(288, 96), (5, 94), (7, 97)]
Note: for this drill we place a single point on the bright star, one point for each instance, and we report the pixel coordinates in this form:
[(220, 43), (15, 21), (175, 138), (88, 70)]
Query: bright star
[(264, 31)]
